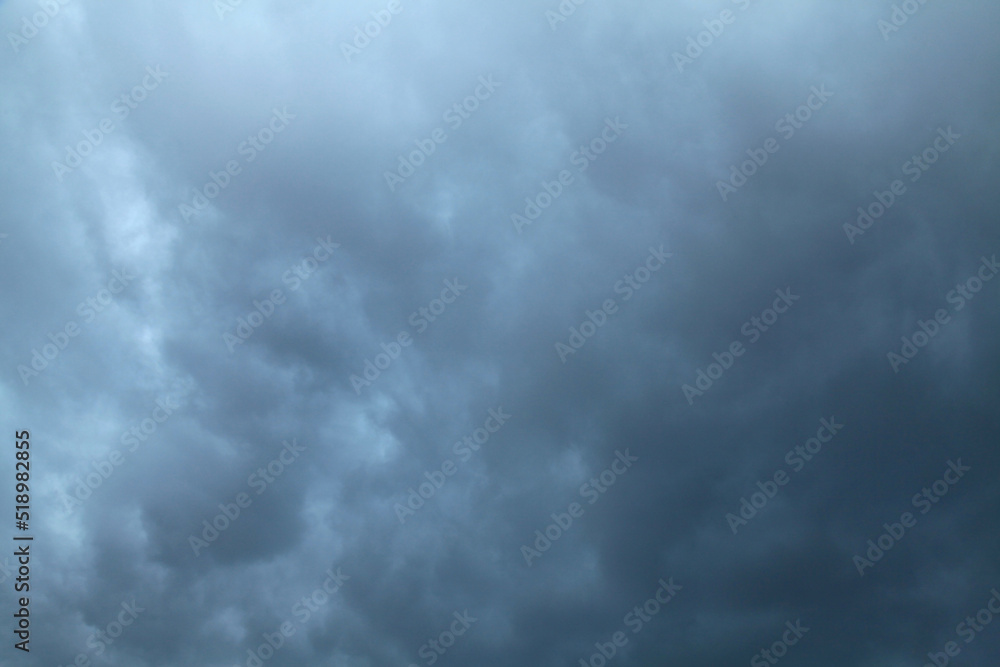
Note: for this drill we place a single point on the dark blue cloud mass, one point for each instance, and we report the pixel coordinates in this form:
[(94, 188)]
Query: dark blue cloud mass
[(555, 333)]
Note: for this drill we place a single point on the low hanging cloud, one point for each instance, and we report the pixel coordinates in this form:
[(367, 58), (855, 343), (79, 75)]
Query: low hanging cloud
[(554, 333)]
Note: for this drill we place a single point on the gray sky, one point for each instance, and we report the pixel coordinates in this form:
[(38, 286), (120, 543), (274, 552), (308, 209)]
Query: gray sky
[(700, 292)]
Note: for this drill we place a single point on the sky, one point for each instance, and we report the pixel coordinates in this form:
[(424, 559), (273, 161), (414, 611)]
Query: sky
[(401, 333)]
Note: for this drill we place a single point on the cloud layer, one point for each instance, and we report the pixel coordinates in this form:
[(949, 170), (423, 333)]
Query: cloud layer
[(532, 333)]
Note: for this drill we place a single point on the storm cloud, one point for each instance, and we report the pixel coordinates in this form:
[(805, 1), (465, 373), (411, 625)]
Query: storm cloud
[(525, 333)]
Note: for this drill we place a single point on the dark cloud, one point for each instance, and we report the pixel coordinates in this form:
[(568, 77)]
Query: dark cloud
[(302, 299)]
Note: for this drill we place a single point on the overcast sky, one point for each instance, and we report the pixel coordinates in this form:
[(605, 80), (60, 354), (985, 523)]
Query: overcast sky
[(409, 333)]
